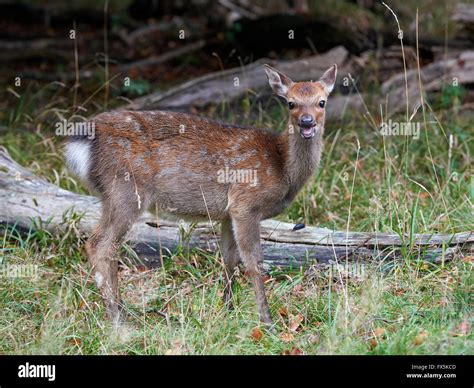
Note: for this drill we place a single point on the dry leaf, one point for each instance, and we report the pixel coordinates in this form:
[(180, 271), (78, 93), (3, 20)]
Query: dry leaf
[(424, 195), (74, 342), (372, 343), (283, 311), (176, 349), (294, 351), (295, 322), (379, 331), (399, 291), (257, 334), (312, 339), (297, 290), (287, 337), (266, 278), (443, 302), (187, 290), (420, 338), (461, 330)]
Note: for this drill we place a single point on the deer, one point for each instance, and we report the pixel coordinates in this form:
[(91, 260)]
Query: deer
[(169, 162)]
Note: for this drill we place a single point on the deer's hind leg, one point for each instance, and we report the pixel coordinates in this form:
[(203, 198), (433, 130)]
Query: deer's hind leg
[(119, 213)]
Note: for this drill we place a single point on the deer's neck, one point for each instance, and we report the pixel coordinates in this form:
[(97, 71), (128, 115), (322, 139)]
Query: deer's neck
[(302, 157)]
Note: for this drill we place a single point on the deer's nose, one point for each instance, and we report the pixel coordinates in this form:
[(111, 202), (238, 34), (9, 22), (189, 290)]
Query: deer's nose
[(306, 120)]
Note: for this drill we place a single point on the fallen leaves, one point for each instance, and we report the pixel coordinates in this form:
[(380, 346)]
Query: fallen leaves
[(293, 326), (420, 338), (399, 291), (257, 334), (424, 195), (287, 337), (267, 278), (443, 302), (379, 331), (297, 290), (294, 351), (373, 343), (74, 342), (312, 339), (176, 349), (295, 322), (378, 336), (461, 330)]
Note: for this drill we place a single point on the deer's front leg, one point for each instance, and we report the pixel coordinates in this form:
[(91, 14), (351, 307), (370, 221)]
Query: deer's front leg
[(231, 258), (247, 235)]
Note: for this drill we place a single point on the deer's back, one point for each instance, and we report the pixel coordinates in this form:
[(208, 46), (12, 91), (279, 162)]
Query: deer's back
[(186, 164)]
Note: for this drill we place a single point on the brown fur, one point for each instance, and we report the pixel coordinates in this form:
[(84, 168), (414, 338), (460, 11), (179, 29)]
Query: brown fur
[(170, 161)]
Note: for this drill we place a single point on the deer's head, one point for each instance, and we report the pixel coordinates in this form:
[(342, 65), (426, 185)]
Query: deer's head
[(306, 100)]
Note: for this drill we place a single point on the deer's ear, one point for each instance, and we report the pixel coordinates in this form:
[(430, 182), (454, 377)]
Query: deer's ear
[(279, 82), (328, 79)]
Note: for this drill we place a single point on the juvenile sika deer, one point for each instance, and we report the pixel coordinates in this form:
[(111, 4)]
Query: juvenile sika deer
[(174, 162)]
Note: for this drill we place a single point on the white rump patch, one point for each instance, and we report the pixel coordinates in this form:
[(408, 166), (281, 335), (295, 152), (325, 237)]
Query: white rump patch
[(78, 158)]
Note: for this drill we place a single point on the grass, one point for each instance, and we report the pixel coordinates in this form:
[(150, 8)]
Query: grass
[(414, 308)]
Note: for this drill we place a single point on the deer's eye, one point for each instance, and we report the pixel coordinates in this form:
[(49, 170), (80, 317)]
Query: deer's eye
[(322, 103), (291, 105)]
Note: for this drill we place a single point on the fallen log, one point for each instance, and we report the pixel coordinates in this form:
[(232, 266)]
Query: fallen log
[(146, 30), (218, 87), (27, 200), (158, 59), (464, 16), (231, 84), (458, 70)]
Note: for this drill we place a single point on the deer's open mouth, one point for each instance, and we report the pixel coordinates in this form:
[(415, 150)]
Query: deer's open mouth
[(307, 132)]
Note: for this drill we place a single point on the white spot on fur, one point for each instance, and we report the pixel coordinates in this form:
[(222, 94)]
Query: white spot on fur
[(129, 118), (136, 126), (99, 279), (139, 200), (78, 158)]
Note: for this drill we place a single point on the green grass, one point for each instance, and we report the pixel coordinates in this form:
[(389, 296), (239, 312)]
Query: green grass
[(394, 184), (415, 308)]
